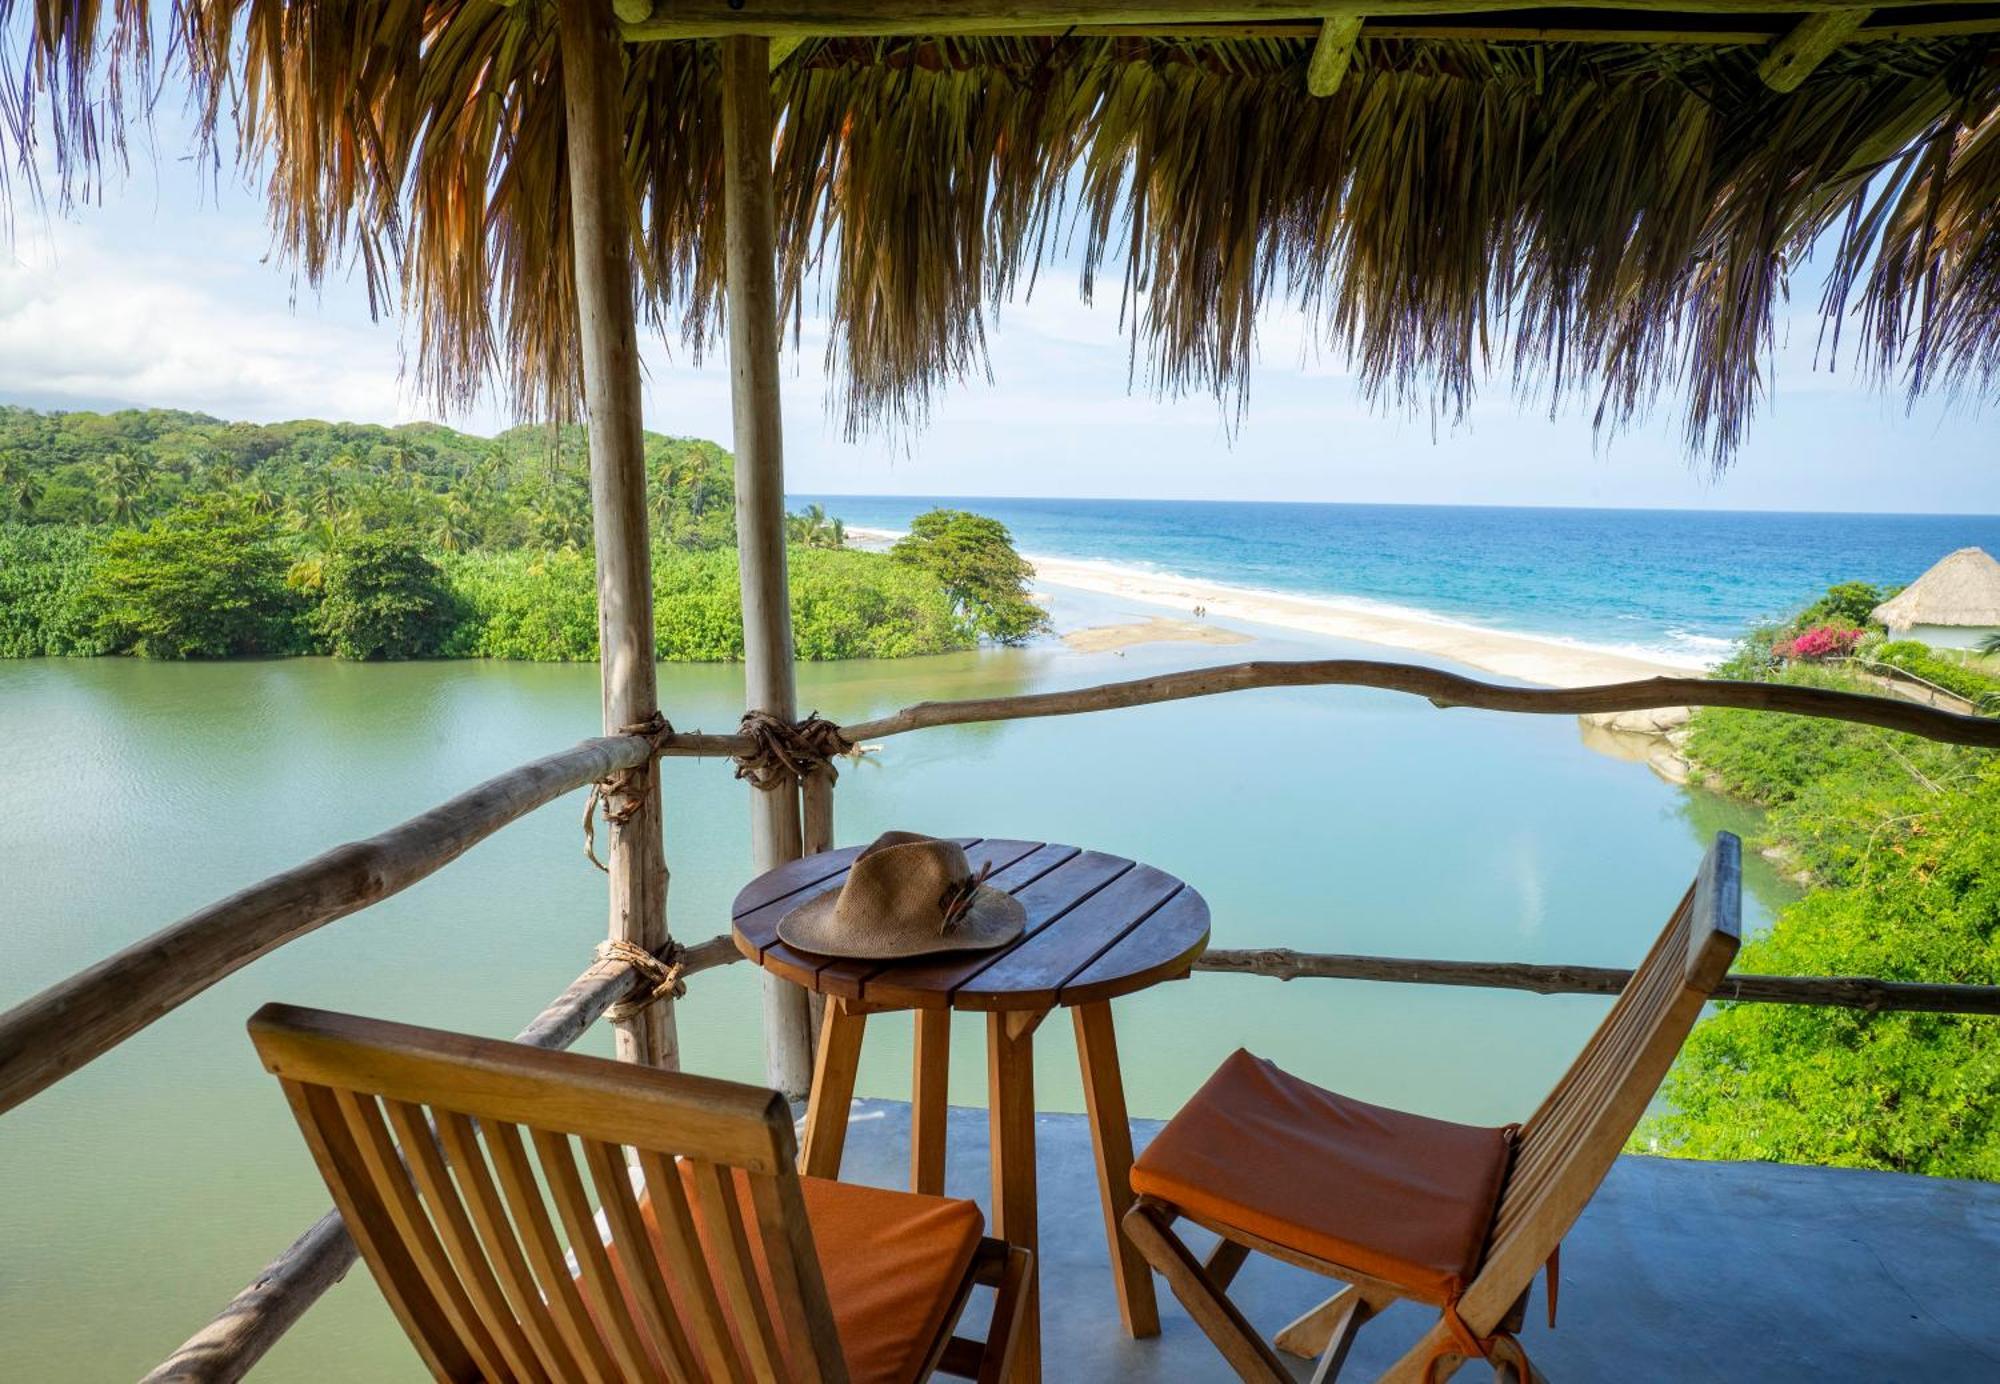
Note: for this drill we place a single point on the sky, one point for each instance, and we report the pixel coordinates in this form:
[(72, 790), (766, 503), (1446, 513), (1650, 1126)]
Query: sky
[(163, 292)]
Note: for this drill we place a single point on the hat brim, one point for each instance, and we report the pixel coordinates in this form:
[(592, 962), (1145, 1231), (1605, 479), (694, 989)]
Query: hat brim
[(994, 919)]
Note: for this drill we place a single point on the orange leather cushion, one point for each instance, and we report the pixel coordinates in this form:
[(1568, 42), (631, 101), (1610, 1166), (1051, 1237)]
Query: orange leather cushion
[(1399, 1197), (894, 1263)]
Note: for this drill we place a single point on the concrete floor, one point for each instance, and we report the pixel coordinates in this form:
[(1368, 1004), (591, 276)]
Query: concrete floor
[(1679, 1271)]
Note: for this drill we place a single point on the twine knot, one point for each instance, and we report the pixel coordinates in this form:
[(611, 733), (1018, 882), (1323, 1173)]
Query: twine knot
[(786, 752), (616, 792), (663, 977)]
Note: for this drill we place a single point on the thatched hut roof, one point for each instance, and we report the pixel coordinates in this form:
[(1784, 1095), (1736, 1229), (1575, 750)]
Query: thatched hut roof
[(1961, 589), (1605, 202)]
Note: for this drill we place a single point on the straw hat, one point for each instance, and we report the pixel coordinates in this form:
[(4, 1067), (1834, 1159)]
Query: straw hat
[(906, 895)]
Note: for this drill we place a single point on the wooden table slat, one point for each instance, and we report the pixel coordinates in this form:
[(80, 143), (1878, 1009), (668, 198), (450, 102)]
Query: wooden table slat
[(930, 983), (793, 878), (1031, 975), (1163, 948)]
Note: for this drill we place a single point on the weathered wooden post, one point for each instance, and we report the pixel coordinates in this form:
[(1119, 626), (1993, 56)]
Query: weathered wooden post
[(593, 67), (747, 134)]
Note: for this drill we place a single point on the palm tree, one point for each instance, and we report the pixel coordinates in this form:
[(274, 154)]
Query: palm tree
[(27, 491), (812, 527), (1991, 644), (124, 480), (455, 531)]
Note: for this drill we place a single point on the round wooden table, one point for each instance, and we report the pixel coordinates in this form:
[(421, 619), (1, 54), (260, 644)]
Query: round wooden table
[(1098, 926)]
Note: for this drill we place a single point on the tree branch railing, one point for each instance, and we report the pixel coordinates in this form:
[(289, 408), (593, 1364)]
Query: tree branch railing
[(1841, 992), (238, 1336), (1435, 685)]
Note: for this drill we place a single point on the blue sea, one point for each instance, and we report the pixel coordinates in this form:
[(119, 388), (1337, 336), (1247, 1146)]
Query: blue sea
[(1674, 585)]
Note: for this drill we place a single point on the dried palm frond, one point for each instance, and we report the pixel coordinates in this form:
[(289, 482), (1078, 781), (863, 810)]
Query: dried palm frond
[(1612, 220)]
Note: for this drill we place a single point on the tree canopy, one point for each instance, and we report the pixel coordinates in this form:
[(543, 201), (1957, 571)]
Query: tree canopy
[(974, 557)]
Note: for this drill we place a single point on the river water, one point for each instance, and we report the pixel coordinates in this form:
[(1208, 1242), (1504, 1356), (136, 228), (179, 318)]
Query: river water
[(137, 1196)]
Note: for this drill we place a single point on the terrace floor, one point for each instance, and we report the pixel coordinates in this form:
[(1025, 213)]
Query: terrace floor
[(1679, 1271)]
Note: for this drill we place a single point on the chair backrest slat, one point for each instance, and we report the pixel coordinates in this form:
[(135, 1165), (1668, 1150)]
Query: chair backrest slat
[(781, 1219), (635, 1264), (530, 1212), (454, 1228), (586, 1243), (728, 1243), (454, 1161), (375, 1233), (1568, 1145), (489, 1215), (680, 1252), (392, 1184)]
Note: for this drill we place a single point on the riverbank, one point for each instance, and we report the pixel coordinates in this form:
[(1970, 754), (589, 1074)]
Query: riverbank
[(1549, 662)]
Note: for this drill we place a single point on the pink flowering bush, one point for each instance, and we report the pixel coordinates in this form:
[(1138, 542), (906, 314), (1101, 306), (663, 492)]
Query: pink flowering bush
[(1821, 641)]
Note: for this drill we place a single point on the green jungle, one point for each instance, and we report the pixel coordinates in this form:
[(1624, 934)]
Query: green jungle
[(1897, 840), (175, 535)]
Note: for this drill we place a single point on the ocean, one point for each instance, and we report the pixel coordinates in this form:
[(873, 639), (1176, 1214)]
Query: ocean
[(1674, 586)]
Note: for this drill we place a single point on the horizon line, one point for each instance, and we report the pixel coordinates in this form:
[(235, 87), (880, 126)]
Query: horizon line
[(1393, 504)]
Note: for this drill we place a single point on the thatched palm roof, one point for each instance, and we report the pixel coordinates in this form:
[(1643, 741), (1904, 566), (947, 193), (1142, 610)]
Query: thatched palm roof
[(1963, 588), (1612, 211)]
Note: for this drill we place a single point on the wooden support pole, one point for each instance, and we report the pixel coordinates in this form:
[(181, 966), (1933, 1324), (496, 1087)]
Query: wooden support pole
[(593, 87), (1809, 43), (1332, 53), (747, 133), (816, 795)]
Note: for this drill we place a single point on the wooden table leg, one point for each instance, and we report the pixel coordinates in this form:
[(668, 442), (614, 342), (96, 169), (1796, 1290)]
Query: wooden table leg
[(1111, 1141), (834, 1068), (1010, 1105), (930, 1091)]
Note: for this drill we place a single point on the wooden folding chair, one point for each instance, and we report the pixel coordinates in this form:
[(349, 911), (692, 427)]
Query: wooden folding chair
[(1402, 1206), (689, 1248)]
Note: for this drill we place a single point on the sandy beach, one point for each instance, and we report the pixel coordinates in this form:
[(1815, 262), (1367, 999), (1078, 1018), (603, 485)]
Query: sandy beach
[(1548, 662)]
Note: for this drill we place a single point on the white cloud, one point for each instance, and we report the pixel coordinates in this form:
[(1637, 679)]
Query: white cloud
[(83, 318)]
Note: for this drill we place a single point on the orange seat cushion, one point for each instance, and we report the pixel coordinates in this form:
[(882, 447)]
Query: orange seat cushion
[(895, 1265), (1398, 1197)]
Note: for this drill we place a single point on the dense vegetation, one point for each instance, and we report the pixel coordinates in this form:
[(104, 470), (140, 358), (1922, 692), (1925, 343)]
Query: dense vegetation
[(173, 535), (1898, 840)]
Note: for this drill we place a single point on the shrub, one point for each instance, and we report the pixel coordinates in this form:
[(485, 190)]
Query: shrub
[(381, 598), (1820, 642), (974, 558), (536, 606), (205, 581), (1850, 604), (44, 569), (852, 604), (1914, 657), (1906, 1091)]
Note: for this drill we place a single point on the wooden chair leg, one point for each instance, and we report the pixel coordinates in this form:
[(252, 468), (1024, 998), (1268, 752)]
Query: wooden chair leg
[(834, 1067), (1212, 1311), (1223, 1263), (1010, 1305), (1511, 1364), (1308, 1335), (1010, 1101), (1355, 1309), (1111, 1142), (930, 1092), (1430, 1361)]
